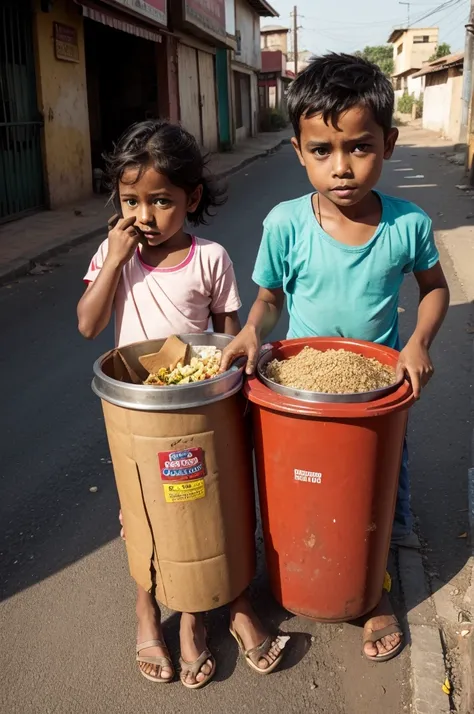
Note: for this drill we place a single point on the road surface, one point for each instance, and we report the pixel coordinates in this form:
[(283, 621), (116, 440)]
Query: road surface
[(67, 609)]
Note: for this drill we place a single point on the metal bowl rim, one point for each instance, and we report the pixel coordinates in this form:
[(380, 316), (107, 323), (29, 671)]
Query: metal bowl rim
[(162, 407), (309, 395)]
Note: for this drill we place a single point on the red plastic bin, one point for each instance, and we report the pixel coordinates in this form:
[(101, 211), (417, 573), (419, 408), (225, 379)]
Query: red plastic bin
[(328, 477)]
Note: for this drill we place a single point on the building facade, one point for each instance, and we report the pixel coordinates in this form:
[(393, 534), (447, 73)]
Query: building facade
[(74, 74), (412, 49), (442, 105), (246, 64)]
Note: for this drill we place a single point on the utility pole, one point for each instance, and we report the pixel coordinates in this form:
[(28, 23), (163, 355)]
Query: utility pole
[(295, 37), (467, 81), (408, 10)]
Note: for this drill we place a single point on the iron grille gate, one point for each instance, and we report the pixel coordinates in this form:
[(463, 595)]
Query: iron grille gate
[(21, 171)]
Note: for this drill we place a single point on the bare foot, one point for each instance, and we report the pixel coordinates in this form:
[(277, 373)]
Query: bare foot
[(380, 618), (149, 628), (247, 625), (193, 636)]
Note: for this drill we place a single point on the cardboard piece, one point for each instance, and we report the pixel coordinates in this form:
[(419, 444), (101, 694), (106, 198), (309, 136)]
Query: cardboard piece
[(121, 370), (172, 352), (185, 483)]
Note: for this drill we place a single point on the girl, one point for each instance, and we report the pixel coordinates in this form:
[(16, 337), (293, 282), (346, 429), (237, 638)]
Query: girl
[(159, 280)]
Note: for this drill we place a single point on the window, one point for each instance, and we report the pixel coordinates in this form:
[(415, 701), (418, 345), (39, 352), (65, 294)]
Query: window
[(400, 49), (421, 39)]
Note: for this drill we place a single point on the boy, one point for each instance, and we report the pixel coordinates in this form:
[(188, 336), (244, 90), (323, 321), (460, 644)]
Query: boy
[(339, 255)]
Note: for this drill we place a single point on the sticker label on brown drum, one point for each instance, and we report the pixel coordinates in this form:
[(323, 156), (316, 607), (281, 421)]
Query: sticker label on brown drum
[(308, 476), (183, 465), (182, 492)]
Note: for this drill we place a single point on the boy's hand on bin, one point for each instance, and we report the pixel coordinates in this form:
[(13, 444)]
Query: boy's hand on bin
[(415, 363), (246, 344), (123, 239)]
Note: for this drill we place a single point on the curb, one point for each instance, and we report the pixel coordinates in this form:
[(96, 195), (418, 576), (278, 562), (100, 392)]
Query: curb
[(22, 266), (251, 159), (427, 660)]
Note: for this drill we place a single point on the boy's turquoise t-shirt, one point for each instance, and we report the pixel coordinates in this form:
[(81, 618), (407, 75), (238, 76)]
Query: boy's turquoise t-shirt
[(336, 290)]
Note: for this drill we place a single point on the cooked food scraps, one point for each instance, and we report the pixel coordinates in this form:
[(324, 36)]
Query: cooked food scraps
[(204, 364), (331, 372)]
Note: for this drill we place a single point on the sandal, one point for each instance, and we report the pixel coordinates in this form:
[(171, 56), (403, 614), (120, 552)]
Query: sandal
[(194, 668), (373, 637), (259, 652), (160, 662)]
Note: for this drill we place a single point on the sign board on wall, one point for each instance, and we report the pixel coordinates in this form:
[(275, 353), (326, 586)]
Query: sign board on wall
[(207, 15), (66, 46), (152, 10)]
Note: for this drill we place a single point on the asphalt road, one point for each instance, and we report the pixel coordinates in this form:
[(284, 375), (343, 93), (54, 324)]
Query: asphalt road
[(67, 608)]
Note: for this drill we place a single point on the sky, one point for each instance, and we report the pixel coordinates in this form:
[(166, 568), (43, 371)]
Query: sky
[(349, 25)]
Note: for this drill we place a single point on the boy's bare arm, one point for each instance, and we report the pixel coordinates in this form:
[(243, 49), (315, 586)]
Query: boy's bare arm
[(262, 318), (415, 361)]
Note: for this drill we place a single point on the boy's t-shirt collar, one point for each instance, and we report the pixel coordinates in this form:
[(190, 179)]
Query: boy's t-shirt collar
[(344, 246)]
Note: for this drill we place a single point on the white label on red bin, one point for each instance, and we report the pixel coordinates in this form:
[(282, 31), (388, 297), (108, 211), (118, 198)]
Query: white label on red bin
[(308, 476)]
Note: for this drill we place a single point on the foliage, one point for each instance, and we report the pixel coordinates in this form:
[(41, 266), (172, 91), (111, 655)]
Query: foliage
[(407, 102), (272, 120), (381, 55), (443, 50)]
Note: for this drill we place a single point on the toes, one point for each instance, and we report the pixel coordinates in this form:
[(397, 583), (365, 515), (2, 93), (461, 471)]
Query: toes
[(166, 673), (206, 668), (263, 663), (371, 649)]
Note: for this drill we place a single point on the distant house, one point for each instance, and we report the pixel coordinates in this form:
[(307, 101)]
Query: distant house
[(275, 37), (412, 48), (442, 106), (273, 81)]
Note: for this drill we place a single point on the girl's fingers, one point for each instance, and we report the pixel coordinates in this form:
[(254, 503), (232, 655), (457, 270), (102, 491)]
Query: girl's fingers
[(125, 223)]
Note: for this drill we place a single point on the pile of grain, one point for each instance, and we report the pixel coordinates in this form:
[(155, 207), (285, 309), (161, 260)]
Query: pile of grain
[(331, 372)]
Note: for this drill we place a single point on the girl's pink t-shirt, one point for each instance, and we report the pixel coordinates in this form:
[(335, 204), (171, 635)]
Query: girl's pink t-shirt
[(151, 303)]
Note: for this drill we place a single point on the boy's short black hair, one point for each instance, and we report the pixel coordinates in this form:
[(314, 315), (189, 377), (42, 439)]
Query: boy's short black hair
[(334, 83)]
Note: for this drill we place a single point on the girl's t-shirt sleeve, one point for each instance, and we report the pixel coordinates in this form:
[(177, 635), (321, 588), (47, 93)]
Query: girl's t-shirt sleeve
[(224, 292), (269, 266), (96, 263)]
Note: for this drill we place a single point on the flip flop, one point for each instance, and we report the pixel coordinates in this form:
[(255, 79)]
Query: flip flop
[(373, 637), (194, 668), (160, 661), (255, 654)]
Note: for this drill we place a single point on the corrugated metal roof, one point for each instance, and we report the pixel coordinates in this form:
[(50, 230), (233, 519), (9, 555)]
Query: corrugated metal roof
[(456, 60)]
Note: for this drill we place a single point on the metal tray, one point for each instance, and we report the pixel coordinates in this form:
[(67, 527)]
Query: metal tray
[(303, 395)]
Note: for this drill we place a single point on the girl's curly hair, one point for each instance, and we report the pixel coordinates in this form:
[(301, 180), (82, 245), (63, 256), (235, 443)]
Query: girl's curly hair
[(172, 151)]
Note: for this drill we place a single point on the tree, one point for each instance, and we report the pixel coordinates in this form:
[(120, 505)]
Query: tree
[(443, 50), (381, 55)]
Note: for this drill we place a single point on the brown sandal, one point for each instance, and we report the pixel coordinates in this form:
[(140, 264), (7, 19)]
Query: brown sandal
[(160, 662), (376, 635), (259, 652), (194, 668)]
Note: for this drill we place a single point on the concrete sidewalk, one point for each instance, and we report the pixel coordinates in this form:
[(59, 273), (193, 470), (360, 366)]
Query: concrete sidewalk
[(38, 237)]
